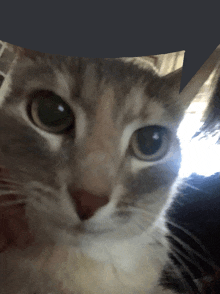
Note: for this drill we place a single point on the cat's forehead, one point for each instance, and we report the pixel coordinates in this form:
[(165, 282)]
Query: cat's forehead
[(86, 73), (115, 70)]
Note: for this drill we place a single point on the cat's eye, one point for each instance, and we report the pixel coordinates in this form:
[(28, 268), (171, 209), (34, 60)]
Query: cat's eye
[(49, 112), (150, 143)]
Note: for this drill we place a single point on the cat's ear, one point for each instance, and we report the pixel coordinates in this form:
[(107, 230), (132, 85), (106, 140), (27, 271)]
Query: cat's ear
[(194, 86)]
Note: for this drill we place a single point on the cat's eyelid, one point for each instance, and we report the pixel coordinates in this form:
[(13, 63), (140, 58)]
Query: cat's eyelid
[(39, 84)]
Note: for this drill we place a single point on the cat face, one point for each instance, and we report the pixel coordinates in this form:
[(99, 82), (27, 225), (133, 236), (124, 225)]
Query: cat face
[(92, 142)]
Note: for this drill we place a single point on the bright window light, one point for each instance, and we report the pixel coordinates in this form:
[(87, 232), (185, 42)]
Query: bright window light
[(198, 156)]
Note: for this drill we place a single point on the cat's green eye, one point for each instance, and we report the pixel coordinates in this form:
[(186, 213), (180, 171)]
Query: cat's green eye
[(49, 112), (150, 143)]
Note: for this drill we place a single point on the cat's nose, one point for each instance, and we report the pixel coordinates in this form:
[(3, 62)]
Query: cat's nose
[(87, 203)]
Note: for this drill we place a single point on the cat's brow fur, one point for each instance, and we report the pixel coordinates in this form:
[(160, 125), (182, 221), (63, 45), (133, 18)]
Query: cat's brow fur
[(122, 249)]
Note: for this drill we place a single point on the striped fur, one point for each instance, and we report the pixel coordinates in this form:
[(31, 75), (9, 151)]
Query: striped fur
[(122, 248)]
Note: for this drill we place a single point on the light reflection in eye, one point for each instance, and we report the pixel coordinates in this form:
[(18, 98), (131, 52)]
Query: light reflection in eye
[(156, 136), (61, 108)]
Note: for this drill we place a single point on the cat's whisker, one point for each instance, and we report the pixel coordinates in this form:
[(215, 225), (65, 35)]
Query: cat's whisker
[(179, 252), (192, 251), (194, 238), (140, 227), (12, 203), (51, 211), (143, 211), (186, 268), (180, 275), (182, 263), (139, 222), (43, 204), (9, 181), (193, 187), (8, 192), (5, 185), (7, 189), (176, 268), (185, 184)]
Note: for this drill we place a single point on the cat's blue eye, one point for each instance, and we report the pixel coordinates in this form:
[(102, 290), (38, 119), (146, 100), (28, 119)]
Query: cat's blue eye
[(150, 143), (49, 112)]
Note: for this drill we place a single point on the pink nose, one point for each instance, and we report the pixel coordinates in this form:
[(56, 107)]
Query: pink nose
[(87, 204)]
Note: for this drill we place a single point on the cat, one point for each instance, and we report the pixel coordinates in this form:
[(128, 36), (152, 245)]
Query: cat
[(92, 146)]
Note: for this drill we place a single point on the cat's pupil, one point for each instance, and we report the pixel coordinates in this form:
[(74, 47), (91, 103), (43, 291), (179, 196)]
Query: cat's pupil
[(50, 112), (149, 139), (151, 142)]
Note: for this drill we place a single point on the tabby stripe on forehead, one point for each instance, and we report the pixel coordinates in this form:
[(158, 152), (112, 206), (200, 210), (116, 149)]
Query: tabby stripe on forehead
[(135, 101), (64, 84), (104, 131), (89, 83)]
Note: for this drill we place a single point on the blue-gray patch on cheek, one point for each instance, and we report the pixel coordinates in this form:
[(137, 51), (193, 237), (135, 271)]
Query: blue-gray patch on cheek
[(149, 180)]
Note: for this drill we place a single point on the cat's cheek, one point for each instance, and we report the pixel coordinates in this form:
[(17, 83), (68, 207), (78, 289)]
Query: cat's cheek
[(16, 232)]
